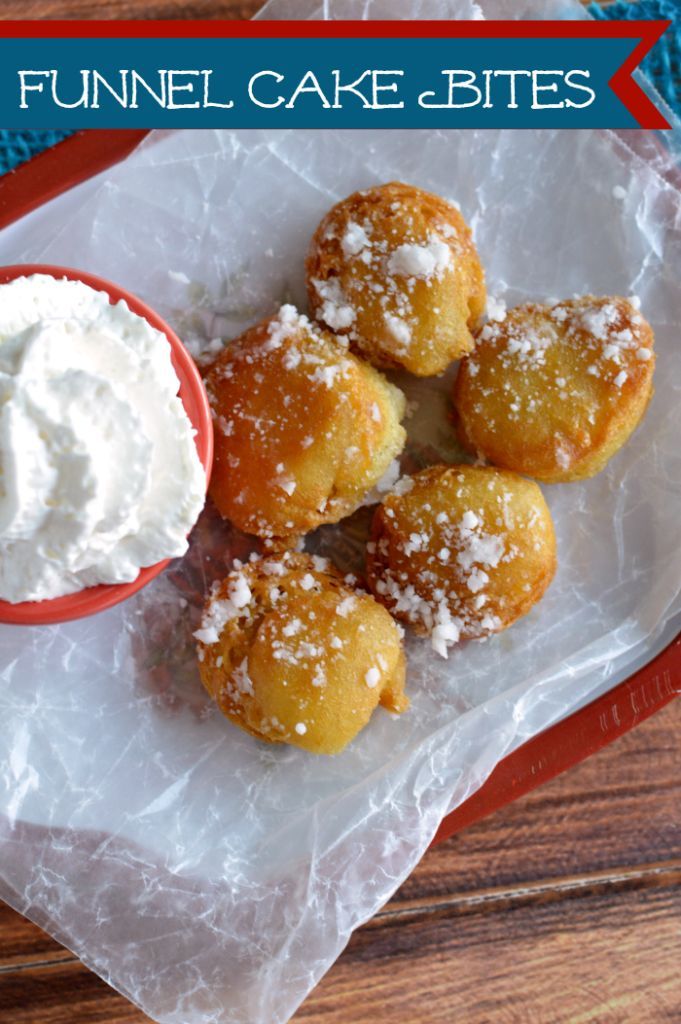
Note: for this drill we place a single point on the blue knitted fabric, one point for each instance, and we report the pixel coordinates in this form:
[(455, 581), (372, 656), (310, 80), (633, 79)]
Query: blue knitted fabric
[(663, 64), (16, 147), (663, 67)]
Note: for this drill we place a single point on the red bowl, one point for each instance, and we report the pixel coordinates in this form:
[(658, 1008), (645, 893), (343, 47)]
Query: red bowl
[(195, 401)]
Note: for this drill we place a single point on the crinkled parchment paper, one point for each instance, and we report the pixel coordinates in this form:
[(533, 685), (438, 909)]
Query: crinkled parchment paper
[(207, 876)]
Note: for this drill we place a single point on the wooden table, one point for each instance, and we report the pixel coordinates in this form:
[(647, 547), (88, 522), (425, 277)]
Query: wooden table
[(129, 8), (564, 908)]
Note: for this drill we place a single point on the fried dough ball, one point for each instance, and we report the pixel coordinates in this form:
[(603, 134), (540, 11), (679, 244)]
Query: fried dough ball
[(303, 429), (555, 391), (461, 553), (395, 268), (293, 655)]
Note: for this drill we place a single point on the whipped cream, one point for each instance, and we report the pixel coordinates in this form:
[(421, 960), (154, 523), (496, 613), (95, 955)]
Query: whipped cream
[(99, 474)]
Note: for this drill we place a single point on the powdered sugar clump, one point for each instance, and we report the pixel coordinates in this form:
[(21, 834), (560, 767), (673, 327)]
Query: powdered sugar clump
[(599, 320), (284, 325), (390, 483), (221, 611), (399, 329), (326, 375), (354, 240), (372, 677), (336, 310), (496, 308), (446, 631), (421, 261), (478, 548)]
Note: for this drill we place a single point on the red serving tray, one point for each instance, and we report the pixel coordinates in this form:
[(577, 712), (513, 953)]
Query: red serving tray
[(544, 756)]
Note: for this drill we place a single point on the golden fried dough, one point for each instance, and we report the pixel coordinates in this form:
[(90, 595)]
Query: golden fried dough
[(293, 655), (303, 429), (555, 391), (395, 268), (462, 553)]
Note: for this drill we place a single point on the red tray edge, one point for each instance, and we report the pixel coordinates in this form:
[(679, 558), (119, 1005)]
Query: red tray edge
[(573, 739), (56, 170)]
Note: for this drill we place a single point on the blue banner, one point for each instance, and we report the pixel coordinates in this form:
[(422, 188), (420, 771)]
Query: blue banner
[(313, 83)]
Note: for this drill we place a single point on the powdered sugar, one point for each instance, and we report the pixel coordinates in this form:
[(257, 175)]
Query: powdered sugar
[(421, 261), (326, 374), (346, 606), (530, 346), (446, 631), (477, 580), (354, 240), (496, 308), (599, 320), (286, 323), (221, 611), (336, 310), (293, 627), (399, 329), (389, 478), (372, 677), (479, 548), (241, 681)]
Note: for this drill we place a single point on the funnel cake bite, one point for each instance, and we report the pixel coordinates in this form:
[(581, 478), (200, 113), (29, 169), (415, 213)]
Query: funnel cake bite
[(555, 391), (292, 655), (463, 553), (303, 429), (395, 268)]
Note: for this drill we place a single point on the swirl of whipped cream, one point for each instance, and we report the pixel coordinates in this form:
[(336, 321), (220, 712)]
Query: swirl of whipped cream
[(99, 474)]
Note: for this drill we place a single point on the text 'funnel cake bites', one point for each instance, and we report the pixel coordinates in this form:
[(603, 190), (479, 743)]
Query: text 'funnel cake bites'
[(555, 391), (293, 655), (395, 268), (303, 429), (463, 553)]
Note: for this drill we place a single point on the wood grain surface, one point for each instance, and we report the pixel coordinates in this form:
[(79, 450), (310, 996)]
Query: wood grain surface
[(129, 8), (563, 908)]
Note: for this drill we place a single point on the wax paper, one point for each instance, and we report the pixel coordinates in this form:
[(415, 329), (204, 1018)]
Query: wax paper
[(207, 876)]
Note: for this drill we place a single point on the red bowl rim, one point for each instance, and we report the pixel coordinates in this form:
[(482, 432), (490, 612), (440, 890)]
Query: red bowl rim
[(195, 401)]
